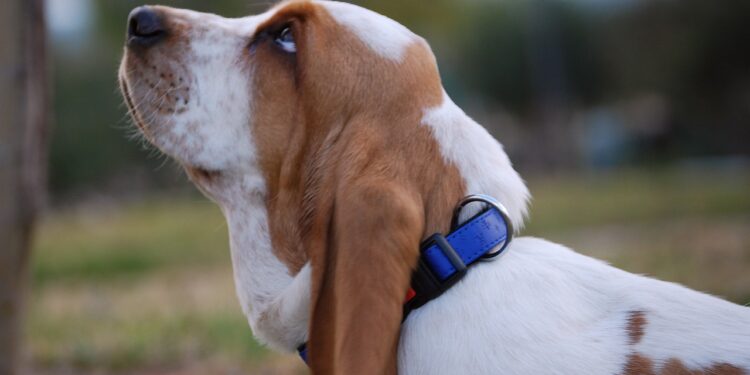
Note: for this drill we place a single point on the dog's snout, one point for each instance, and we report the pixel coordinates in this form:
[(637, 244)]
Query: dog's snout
[(145, 27)]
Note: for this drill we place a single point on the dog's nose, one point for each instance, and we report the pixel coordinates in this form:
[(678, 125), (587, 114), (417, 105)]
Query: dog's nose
[(145, 27)]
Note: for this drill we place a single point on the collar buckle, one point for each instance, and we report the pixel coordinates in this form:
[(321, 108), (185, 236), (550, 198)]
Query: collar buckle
[(425, 282)]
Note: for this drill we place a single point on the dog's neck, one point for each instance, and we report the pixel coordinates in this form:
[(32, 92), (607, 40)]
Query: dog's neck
[(267, 236), (268, 215), (259, 274), (481, 160), (274, 300)]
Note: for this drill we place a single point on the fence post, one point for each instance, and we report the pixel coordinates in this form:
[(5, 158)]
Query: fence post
[(24, 113)]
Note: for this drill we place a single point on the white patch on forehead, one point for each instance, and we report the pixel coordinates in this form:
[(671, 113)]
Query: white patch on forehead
[(383, 35)]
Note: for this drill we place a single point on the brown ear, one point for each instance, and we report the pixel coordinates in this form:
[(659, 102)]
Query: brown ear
[(360, 281)]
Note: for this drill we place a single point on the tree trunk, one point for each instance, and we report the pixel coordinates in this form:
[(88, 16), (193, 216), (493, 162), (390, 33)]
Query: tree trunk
[(23, 140)]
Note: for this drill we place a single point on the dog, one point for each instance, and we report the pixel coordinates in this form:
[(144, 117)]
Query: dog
[(323, 132)]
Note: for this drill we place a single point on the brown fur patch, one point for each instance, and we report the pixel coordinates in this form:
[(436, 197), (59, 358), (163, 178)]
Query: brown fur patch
[(306, 104), (641, 365), (355, 180), (636, 323)]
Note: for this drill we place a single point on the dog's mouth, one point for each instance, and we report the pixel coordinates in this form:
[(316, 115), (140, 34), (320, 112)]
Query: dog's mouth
[(130, 104), (195, 172), (206, 180), (202, 174)]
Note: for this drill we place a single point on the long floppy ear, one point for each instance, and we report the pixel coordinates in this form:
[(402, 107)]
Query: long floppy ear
[(360, 282)]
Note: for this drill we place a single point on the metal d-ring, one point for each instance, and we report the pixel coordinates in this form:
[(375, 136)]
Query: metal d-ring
[(493, 203)]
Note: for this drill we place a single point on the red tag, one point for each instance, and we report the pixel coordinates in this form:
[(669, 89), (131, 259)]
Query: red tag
[(409, 295)]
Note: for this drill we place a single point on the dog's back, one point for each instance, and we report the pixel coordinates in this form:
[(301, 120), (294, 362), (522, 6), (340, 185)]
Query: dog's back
[(544, 309)]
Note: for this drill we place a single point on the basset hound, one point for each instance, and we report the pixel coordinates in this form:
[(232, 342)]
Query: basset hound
[(323, 132)]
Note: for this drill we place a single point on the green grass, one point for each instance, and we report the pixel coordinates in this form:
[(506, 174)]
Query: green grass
[(571, 202), (142, 285), (150, 340), (129, 241), (148, 287)]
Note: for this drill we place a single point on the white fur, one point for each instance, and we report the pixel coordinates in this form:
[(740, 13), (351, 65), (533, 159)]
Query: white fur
[(544, 309), (383, 35), (275, 303), (484, 165), (539, 309), (211, 132), (697, 328)]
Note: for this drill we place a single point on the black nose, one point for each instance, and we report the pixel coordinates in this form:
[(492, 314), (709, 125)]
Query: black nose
[(145, 27)]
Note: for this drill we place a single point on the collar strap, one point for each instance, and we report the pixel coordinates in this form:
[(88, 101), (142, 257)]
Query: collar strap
[(302, 351), (444, 260)]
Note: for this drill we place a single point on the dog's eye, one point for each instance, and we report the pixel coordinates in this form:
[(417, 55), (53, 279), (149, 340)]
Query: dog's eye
[(285, 40)]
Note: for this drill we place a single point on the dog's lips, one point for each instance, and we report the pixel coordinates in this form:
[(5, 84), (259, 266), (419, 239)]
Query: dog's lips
[(131, 106), (201, 176), (196, 172)]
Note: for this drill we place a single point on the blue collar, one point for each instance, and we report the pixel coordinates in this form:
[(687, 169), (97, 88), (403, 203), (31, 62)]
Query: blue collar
[(444, 260)]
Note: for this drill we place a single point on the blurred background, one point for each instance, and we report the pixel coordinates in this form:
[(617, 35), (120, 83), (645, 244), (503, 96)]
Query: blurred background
[(628, 118)]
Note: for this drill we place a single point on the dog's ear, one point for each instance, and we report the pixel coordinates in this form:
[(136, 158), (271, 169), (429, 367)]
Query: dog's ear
[(361, 277)]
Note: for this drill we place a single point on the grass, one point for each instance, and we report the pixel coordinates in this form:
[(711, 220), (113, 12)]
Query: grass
[(635, 196), (147, 287), (140, 286), (92, 244)]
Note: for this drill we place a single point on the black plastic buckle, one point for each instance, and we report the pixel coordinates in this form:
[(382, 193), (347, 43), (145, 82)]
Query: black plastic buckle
[(424, 282)]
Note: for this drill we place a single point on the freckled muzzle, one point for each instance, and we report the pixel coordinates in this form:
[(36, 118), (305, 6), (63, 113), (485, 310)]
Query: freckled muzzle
[(185, 80), (153, 79)]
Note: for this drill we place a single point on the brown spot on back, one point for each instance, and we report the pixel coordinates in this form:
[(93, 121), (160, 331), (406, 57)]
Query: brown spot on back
[(639, 364), (726, 369), (636, 323)]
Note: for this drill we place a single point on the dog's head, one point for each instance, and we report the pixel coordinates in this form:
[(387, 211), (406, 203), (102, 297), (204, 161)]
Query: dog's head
[(225, 97), (335, 118)]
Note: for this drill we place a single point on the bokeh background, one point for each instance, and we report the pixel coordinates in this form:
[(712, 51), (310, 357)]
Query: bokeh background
[(628, 118)]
